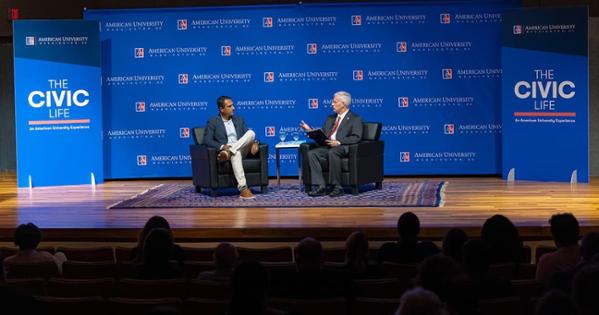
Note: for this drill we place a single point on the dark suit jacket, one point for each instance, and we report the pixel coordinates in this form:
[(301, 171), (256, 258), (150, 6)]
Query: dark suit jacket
[(350, 129), (215, 133)]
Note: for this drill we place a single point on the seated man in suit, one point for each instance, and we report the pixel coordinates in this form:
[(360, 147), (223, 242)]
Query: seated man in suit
[(342, 128), (230, 135)]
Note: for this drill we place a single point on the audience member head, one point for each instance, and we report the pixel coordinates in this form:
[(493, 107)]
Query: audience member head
[(155, 222), (564, 229), (555, 303), (476, 258), (408, 227), (27, 236), (249, 285), (419, 301), (158, 247), (585, 290), (225, 256), (435, 273), (356, 246), (453, 242), (589, 246), (308, 254), (503, 238)]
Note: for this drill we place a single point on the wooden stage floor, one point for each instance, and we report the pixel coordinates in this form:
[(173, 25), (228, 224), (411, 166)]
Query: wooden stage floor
[(76, 213)]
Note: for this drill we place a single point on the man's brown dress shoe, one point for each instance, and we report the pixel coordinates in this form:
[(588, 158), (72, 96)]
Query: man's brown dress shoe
[(223, 155), (246, 193)]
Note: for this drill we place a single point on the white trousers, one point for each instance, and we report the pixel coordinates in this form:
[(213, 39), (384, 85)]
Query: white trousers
[(240, 149)]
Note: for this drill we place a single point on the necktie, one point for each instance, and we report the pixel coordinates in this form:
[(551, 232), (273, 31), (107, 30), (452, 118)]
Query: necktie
[(334, 127)]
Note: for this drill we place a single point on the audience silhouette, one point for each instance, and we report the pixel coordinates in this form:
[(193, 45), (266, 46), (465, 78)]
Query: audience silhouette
[(155, 222), (408, 249), (225, 260), (455, 281), (157, 254), (357, 261), (565, 232), (419, 301), (27, 238), (504, 240), (453, 243)]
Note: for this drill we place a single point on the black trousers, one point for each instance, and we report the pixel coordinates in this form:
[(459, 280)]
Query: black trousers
[(330, 155)]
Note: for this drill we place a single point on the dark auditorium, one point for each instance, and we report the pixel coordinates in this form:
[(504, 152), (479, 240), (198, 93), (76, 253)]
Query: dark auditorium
[(314, 157)]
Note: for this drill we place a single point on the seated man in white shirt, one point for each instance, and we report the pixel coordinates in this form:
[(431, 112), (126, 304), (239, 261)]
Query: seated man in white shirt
[(230, 135)]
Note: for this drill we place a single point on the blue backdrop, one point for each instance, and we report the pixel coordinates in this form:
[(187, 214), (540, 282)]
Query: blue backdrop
[(430, 73), (545, 94), (58, 102)]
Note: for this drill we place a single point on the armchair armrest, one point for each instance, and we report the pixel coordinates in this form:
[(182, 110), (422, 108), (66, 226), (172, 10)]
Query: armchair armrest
[(366, 161), (366, 149), (264, 162), (203, 165), (202, 152), (307, 146), (263, 151)]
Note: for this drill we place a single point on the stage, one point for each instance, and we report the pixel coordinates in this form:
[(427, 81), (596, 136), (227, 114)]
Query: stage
[(79, 214)]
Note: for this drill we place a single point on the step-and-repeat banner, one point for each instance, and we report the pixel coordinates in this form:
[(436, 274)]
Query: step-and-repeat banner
[(430, 73), (545, 94), (58, 102)]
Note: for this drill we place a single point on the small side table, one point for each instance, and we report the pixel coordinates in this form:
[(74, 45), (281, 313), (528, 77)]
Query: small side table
[(288, 145)]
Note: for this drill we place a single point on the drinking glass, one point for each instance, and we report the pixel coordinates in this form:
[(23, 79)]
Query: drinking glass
[(282, 135), (296, 135)]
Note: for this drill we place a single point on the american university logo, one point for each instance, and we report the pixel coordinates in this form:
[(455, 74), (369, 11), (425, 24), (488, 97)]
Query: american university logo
[(142, 160), (184, 132), (313, 103), (447, 74), (269, 131), (312, 49), (183, 78), (402, 47), (139, 53), (449, 129), (358, 75), (267, 22), (356, 20), (517, 30), (404, 157), (140, 107), (269, 77), (403, 102), (445, 18), (182, 25), (225, 51), (74, 39)]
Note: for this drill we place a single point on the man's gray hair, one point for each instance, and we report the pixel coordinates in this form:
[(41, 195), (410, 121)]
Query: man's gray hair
[(345, 97)]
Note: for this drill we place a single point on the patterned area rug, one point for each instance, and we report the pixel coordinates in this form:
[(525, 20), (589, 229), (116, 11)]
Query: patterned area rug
[(395, 193)]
